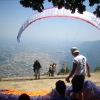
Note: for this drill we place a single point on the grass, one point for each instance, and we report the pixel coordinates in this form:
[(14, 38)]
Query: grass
[(45, 83)]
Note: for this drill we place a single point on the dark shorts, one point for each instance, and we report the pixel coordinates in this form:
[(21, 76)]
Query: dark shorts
[(77, 83)]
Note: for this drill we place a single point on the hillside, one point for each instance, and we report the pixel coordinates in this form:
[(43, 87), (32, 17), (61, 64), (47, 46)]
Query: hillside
[(17, 59), (91, 51)]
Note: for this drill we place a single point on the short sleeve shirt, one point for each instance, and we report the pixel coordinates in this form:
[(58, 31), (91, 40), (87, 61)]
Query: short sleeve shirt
[(81, 61)]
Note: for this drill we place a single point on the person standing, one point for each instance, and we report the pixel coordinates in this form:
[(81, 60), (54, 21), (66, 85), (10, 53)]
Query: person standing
[(79, 70), (50, 70), (53, 69), (36, 68), (64, 69)]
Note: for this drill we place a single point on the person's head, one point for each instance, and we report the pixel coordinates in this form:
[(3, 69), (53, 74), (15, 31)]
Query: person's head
[(37, 61), (60, 87), (24, 96), (50, 64), (74, 51)]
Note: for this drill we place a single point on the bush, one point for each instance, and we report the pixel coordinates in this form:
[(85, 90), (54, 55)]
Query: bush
[(61, 71), (97, 69), (67, 70), (46, 73)]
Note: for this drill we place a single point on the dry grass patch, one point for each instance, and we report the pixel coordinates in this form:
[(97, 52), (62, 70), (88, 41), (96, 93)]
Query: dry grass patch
[(45, 83)]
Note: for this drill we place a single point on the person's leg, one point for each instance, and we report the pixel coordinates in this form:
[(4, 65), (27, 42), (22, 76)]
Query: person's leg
[(77, 85), (65, 71), (81, 78), (38, 73), (52, 73), (78, 96), (75, 96), (49, 73), (35, 73), (81, 96)]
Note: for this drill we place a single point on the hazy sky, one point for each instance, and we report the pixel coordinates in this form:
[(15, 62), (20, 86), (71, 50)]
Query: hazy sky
[(13, 15)]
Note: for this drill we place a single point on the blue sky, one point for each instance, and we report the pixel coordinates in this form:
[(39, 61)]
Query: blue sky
[(13, 15)]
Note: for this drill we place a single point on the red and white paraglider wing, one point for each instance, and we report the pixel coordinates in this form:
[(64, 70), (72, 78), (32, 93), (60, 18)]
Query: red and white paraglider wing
[(55, 12)]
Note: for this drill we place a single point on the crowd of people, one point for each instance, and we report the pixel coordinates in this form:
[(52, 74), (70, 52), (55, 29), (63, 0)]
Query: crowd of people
[(37, 66), (52, 69), (79, 70)]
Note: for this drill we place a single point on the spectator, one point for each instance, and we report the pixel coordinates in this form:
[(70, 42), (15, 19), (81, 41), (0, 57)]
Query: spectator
[(53, 69), (50, 70), (36, 69), (79, 69), (60, 88), (64, 69), (24, 97)]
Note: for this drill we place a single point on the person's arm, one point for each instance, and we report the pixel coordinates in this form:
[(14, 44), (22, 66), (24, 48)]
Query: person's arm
[(88, 70), (72, 72)]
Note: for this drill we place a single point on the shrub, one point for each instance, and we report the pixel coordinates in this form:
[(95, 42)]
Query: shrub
[(97, 69), (61, 71)]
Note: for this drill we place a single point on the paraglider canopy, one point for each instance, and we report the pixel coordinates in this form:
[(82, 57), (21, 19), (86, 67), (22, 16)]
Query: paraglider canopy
[(55, 12)]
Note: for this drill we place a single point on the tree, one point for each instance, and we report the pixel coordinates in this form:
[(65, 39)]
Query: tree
[(68, 4), (61, 71), (97, 69)]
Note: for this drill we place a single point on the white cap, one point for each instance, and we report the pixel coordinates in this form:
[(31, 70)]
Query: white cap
[(74, 50)]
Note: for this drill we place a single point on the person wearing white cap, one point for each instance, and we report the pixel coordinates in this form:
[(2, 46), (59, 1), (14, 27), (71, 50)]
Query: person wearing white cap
[(79, 70)]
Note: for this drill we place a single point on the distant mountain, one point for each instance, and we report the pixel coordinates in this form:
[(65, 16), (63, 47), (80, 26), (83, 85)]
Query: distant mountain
[(90, 49)]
